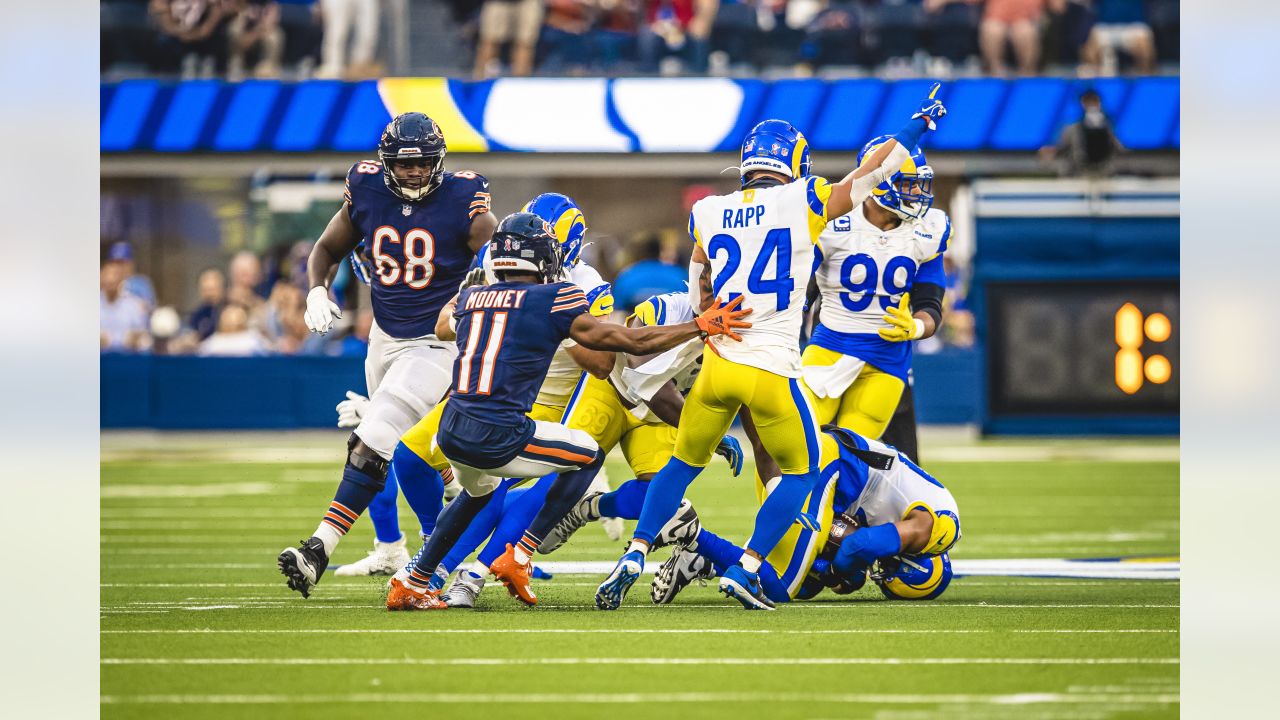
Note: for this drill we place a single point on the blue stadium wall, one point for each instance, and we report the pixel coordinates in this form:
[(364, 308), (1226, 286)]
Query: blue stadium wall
[(614, 115)]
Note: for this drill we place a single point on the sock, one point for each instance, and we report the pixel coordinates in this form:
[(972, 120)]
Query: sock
[(662, 499), (749, 563), (524, 549), (566, 491), (354, 494), (453, 521), (480, 527), (626, 501), (423, 487), (521, 507), (383, 512), (479, 569), (865, 546), (724, 555), (778, 511)]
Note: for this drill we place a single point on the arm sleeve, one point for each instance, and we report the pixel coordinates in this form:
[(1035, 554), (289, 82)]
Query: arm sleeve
[(927, 296), (481, 200)]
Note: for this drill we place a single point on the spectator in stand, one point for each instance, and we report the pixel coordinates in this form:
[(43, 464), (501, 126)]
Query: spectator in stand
[(1016, 23), (1121, 25), (734, 34), (1088, 147), (834, 37), (233, 338), (655, 273), (564, 36), (193, 35), (955, 28), (135, 284), (612, 40), (123, 319), (357, 20), (245, 288), (356, 343), (517, 22), (256, 37), (213, 295), (676, 28)]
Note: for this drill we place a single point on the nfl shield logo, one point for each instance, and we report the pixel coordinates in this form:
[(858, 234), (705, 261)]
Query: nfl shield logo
[(407, 209)]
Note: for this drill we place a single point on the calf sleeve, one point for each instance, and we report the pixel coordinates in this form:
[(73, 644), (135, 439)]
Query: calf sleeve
[(422, 486), (626, 501), (663, 497)]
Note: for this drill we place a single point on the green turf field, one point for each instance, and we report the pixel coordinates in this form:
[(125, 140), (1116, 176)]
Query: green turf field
[(194, 612)]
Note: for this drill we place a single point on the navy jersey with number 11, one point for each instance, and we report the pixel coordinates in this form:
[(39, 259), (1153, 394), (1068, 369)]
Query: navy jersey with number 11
[(507, 334)]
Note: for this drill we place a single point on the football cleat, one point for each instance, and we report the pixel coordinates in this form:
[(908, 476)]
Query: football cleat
[(613, 528), (584, 511), (302, 566), (384, 559), (611, 592), (682, 568), (402, 596), (515, 576), (744, 587), (464, 591), (682, 529)]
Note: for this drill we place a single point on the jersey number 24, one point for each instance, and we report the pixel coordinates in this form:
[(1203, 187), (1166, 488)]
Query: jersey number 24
[(777, 245)]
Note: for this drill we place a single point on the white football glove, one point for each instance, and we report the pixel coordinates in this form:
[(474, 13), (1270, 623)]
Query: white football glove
[(321, 311), (351, 410), (476, 276)]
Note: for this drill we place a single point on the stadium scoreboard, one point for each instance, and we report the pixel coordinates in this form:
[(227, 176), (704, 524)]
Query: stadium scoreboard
[(1088, 347)]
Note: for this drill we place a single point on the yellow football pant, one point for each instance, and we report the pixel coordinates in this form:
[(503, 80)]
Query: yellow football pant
[(596, 409), (869, 403), (780, 409)]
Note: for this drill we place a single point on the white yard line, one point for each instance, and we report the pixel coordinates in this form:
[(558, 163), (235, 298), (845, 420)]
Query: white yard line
[(635, 698), (661, 661)]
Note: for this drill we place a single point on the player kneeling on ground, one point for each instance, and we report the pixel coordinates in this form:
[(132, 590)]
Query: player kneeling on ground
[(879, 516), (506, 334)]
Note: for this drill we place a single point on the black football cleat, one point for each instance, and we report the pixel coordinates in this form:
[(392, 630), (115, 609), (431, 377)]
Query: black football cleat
[(302, 566)]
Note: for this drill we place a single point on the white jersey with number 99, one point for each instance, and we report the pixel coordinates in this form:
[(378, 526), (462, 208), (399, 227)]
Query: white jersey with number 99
[(760, 243)]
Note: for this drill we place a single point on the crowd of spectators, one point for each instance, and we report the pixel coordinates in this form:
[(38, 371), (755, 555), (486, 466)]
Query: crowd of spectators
[(242, 38), (340, 38), (671, 37), (241, 311)]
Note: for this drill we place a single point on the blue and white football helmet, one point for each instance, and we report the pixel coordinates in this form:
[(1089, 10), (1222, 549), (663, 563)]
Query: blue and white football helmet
[(776, 146), (567, 223), (922, 577), (908, 193)]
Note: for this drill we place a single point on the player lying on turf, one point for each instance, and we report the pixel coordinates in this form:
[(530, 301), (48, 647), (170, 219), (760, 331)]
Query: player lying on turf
[(567, 365), (507, 334), (881, 282), (759, 244), (422, 227), (878, 514)]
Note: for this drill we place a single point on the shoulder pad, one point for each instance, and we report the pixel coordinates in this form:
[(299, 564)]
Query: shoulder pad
[(360, 174)]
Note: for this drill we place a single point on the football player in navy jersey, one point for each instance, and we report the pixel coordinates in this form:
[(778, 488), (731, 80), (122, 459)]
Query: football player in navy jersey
[(420, 226), (506, 334)]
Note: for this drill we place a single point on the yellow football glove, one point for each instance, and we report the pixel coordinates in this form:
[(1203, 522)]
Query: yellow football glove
[(903, 326)]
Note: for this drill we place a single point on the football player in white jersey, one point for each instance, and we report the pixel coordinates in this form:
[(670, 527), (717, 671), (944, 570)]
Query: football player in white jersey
[(881, 281), (879, 515), (759, 242)]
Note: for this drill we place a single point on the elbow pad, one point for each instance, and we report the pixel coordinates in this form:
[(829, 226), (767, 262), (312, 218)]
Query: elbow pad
[(927, 297), (695, 286)]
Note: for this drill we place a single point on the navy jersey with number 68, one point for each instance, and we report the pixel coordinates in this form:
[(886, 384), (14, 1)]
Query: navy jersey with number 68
[(419, 250), (507, 333)]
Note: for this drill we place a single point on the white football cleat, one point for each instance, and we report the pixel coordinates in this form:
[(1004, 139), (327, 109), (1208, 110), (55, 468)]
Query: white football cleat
[(682, 529), (682, 568), (586, 510), (384, 559), (613, 527), (464, 591)]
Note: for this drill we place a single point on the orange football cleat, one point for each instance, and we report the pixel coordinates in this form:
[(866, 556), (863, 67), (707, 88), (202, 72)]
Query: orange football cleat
[(515, 576), (402, 597)]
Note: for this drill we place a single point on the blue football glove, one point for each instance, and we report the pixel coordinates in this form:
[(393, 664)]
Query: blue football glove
[(730, 449), (360, 267), (932, 109)]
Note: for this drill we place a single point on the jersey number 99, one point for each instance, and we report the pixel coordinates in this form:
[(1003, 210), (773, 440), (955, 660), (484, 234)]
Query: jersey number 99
[(418, 248), (863, 291)]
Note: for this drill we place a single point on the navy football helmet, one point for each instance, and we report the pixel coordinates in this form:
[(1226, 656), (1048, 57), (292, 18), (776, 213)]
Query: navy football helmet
[(412, 138), (524, 242)]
